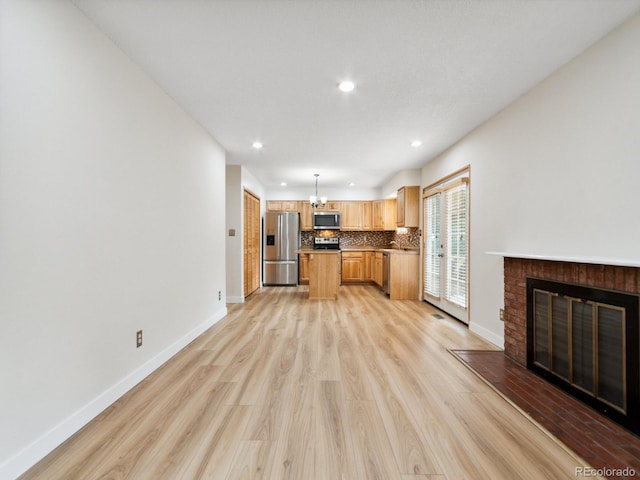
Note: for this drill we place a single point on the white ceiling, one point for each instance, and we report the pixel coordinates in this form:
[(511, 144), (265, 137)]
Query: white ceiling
[(267, 70)]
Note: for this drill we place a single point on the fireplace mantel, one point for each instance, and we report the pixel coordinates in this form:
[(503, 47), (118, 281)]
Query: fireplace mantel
[(616, 262)]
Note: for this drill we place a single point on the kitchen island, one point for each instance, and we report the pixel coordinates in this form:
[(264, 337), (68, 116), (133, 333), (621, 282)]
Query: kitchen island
[(395, 270), (324, 273)]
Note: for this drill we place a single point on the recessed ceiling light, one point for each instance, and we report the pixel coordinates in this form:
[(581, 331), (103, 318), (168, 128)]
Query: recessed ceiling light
[(416, 143), (283, 184), (257, 145), (351, 184), (346, 86)]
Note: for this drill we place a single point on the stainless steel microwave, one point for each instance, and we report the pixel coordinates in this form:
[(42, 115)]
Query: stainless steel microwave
[(326, 220)]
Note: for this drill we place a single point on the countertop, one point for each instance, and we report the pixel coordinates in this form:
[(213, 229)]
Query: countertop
[(362, 248), (308, 250)]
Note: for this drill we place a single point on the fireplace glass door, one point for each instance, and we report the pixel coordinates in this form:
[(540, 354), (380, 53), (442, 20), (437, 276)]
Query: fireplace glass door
[(582, 343), (585, 340)]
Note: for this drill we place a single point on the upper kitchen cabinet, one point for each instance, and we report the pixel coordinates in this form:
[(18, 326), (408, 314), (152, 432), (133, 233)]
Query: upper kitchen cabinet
[(282, 206), (330, 206), (355, 215), (384, 214), (367, 216), (306, 215), (408, 206)]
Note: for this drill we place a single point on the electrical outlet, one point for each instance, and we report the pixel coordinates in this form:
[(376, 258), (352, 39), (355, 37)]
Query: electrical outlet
[(138, 338), (219, 294), (502, 314)]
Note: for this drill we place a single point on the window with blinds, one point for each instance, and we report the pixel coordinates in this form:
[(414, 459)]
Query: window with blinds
[(456, 212), (432, 245)]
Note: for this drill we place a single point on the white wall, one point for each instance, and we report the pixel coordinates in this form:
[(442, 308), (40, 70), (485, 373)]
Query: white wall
[(389, 189), (234, 244), (556, 172), (404, 178), (111, 201), (287, 193)]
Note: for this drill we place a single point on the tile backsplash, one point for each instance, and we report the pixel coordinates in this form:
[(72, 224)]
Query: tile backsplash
[(411, 239)]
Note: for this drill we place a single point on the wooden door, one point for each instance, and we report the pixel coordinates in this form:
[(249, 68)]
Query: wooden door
[(251, 243)]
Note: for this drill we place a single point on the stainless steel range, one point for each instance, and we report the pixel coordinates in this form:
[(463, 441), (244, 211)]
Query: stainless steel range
[(326, 243)]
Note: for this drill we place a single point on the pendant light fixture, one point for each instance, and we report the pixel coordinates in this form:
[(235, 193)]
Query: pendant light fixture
[(313, 199)]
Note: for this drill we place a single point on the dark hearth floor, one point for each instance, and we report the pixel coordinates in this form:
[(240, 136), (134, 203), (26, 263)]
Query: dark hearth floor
[(601, 442)]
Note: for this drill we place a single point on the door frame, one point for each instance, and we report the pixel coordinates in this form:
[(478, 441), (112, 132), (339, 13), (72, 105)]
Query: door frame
[(441, 186)]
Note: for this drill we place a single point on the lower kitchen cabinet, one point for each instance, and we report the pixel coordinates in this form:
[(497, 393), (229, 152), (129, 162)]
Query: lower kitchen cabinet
[(303, 265), (324, 279), (377, 268), (404, 276), (353, 267), (367, 258)]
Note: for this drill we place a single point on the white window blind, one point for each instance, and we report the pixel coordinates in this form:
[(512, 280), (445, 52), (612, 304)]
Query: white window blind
[(456, 211), (432, 245)]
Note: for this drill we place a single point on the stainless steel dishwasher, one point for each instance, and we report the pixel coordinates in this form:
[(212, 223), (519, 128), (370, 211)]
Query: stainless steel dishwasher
[(385, 273)]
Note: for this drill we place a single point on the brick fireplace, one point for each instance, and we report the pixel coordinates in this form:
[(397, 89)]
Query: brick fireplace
[(516, 271), (595, 277)]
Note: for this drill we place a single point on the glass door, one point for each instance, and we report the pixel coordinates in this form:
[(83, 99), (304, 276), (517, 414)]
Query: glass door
[(446, 247)]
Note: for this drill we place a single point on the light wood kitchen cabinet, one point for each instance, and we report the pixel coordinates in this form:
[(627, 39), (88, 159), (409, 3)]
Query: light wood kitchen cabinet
[(377, 268), (404, 276), (306, 215), (282, 205), (350, 216), (408, 206), (330, 206), (324, 276), (368, 265), (352, 267), (356, 215), (384, 214), (303, 266), (366, 221)]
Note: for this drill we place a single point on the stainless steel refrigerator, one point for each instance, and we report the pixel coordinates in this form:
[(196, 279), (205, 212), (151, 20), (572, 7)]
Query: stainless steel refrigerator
[(281, 240)]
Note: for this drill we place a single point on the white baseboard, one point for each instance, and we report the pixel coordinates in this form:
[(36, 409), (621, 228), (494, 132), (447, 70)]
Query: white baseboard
[(36, 451), (497, 340), (235, 299)]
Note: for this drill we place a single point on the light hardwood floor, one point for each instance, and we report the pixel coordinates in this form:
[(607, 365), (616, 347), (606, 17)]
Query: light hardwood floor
[(283, 387)]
